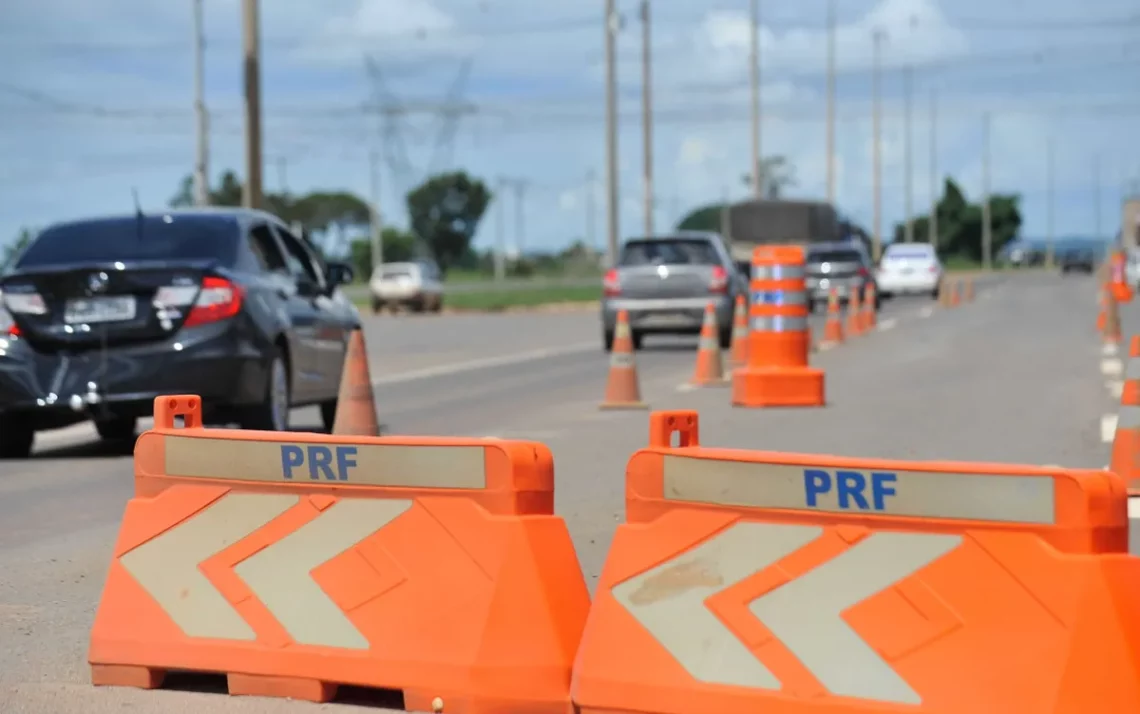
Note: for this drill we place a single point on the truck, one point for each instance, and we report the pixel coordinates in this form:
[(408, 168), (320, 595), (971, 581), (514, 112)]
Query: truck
[(779, 222)]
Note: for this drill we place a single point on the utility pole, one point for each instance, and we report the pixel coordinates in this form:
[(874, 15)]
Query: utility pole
[(500, 229), (1098, 217), (520, 212), (987, 227), (647, 114), (877, 159), (201, 123), (251, 189), (908, 78), (591, 239), (932, 225), (613, 22), (377, 217), (754, 82), (831, 102), (1049, 237)]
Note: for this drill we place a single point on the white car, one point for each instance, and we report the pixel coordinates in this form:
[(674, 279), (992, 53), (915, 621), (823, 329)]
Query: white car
[(416, 286), (909, 268)]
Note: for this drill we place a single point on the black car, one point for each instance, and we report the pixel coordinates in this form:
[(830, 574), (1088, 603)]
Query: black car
[(1078, 261), (108, 313)]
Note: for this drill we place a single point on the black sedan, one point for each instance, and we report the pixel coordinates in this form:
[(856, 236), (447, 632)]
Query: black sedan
[(108, 313), (1078, 261)]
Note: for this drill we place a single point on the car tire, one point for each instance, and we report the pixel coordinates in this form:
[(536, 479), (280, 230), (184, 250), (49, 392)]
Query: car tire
[(328, 414), (16, 439), (725, 338), (437, 307), (272, 413), (636, 338), (116, 428), (377, 306), (608, 340)]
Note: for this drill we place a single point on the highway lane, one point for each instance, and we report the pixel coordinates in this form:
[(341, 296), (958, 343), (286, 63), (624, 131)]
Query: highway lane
[(1005, 378)]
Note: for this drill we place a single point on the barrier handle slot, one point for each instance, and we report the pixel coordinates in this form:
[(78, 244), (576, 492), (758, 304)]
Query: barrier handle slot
[(683, 422), (171, 406)]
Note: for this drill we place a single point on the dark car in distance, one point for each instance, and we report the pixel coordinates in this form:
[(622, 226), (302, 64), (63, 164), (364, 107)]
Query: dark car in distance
[(1078, 261), (108, 313)]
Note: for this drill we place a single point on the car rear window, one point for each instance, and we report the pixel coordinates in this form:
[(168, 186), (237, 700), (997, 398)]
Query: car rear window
[(909, 254), (395, 271), (148, 238), (833, 256), (668, 252)]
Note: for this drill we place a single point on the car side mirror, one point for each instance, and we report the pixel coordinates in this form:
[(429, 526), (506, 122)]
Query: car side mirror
[(340, 273)]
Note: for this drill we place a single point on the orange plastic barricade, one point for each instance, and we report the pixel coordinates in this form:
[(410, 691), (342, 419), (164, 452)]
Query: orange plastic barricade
[(294, 563), (747, 582), (777, 373)]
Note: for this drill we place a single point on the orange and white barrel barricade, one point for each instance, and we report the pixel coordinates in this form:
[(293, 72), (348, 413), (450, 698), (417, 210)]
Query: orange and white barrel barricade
[(748, 581), (294, 563), (1121, 290), (777, 373)]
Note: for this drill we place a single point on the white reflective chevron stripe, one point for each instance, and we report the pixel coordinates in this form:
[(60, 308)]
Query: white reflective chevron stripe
[(779, 323), (708, 343), (166, 566), (621, 359), (280, 575), (806, 613), (669, 600), (777, 272)]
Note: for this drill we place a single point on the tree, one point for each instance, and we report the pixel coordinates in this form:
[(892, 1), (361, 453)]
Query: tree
[(960, 223), (705, 218), (13, 249), (445, 211), (776, 174)]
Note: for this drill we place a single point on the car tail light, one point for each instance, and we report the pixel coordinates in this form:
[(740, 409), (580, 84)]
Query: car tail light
[(934, 268), (719, 281), (25, 303), (217, 299), (611, 284), (863, 272), (13, 330)]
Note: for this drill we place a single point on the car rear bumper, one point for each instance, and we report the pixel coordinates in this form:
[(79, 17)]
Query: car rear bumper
[(820, 290), (54, 389), (920, 283), (668, 315)]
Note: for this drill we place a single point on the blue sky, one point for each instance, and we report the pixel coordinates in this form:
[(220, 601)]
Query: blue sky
[(96, 98)]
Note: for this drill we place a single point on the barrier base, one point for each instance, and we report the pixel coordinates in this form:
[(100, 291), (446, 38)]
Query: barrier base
[(778, 387)]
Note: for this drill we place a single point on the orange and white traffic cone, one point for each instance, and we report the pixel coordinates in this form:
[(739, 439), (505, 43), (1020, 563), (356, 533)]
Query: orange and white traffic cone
[(870, 318), (833, 328), (952, 298), (854, 314), (355, 402), (623, 388), (1112, 320), (709, 371), (1102, 316), (739, 355), (1126, 444)]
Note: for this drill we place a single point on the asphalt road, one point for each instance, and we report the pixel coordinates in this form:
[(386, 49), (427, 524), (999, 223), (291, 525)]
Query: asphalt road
[(1011, 377)]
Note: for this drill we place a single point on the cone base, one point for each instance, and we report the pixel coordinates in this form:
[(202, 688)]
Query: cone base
[(780, 387), (615, 406)]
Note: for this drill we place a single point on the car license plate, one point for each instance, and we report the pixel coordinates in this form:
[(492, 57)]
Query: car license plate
[(664, 319), (102, 309)]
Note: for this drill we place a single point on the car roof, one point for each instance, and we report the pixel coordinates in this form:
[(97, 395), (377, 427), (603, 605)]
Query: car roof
[(677, 235), (209, 215), (835, 245)]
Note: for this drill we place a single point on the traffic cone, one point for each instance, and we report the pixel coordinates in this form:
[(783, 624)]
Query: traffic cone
[(355, 403), (854, 314), (870, 317), (833, 328), (1102, 316), (709, 370), (952, 298), (623, 389), (1112, 320), (944, 293), (1126, 444), (739, 354)]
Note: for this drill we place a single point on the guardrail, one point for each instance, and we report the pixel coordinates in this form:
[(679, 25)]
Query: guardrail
[(360, 290)]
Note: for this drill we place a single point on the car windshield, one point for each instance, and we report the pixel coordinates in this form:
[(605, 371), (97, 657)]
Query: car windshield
[(833, 256), (130, 239), (673, 251)]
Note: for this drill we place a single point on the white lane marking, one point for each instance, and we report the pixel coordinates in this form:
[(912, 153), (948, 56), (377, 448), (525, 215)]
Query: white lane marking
[(926, 312), (1111, 367), (888, 324), (1115, 388), (686, 387), (485, 363), (1108, 349), (825, 346), (1108, 428)]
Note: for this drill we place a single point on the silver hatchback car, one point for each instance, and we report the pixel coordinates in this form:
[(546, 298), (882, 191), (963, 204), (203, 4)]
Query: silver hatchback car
[(665, 283)]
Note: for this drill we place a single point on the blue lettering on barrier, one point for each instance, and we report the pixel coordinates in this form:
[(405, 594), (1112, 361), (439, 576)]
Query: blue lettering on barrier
[(768, 297), (850, 488), (321, 461)]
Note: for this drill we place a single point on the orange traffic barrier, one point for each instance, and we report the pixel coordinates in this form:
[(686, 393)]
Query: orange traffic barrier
[(709, 369), (833, 328), (623, 388), (739, 353), (1112, 320), (1126, 443), (854, 314), (1121, 291), (296, 563), (747, 581), (355, 403), (870, 315), (778, 373)]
